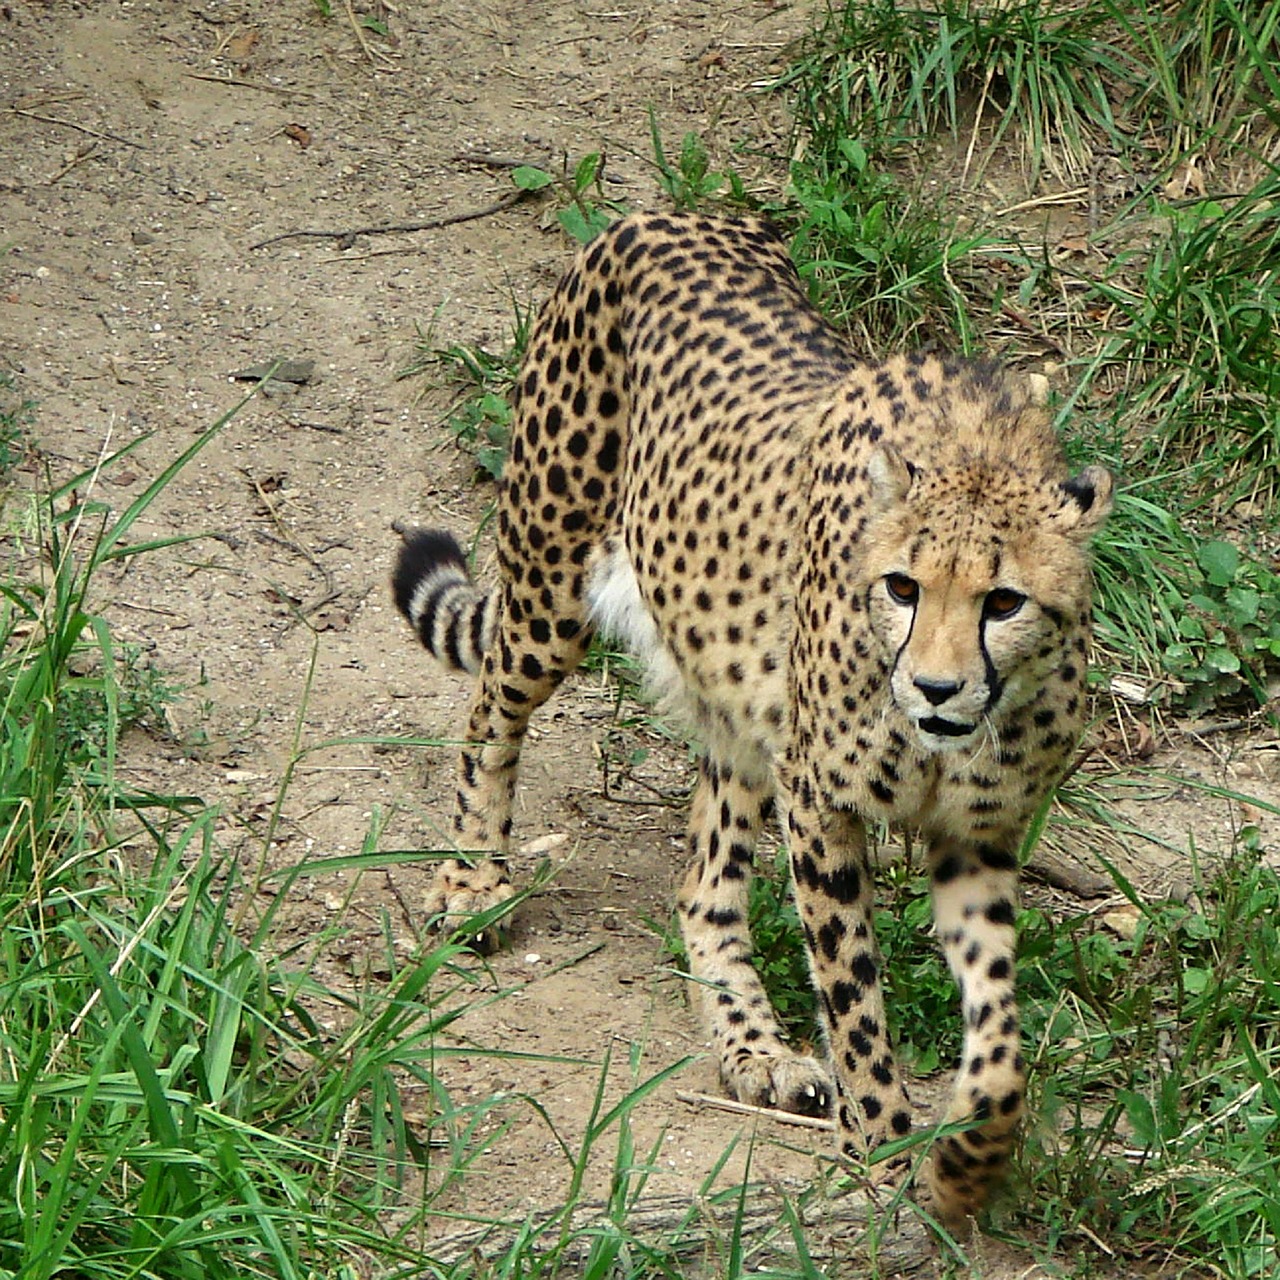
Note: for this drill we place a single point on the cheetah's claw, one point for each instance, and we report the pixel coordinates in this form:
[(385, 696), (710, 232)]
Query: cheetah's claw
[(459, 893), (792, 1083)]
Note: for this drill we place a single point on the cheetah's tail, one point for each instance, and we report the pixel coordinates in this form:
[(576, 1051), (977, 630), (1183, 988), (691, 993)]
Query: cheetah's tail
[(453, 617)]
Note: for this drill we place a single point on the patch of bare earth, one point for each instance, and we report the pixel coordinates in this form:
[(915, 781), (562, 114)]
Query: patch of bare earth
[(146, 147)]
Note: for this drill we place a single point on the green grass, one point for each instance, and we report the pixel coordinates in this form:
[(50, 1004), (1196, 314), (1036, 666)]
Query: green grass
[(172, 1106), (180, 1096), (1154, 1080), (881, 261), (1033, 75)]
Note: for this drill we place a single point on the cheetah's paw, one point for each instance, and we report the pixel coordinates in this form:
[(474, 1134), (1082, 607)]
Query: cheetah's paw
[(785, 1081), (460, 892)]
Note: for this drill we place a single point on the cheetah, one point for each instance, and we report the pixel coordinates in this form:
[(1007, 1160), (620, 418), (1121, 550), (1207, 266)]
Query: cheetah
[(864, 585)]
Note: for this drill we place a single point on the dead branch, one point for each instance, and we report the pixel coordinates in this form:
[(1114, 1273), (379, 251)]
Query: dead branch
[(348, 235), (71, 124), (835, 1231), (236, 83)]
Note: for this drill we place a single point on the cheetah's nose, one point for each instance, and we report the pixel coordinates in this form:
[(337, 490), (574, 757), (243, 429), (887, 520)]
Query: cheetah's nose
[(936, 692)]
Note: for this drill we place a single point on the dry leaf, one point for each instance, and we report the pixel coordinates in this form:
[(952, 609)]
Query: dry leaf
[(299, 133), (1145, 747), (243, 45), (1186, 180), (1123, 921)]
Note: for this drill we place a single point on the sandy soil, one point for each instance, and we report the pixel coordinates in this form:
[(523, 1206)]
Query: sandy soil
[(145, 148)]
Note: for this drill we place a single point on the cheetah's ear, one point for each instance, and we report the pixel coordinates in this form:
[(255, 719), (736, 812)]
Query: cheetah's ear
[(890, 476), (1088, 502)]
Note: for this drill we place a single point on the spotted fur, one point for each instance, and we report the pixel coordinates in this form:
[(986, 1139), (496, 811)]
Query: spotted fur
[(865, 586)]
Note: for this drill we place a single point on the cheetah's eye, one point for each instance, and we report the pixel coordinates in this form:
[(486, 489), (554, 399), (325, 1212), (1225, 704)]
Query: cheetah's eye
[(901, 589), (1002, 603)]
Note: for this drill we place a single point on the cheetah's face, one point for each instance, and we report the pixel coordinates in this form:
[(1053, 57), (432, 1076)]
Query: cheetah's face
[(974, 606)]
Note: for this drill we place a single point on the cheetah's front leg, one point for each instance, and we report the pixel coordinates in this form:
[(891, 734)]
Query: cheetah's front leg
[(974, 896), (756, 1063), (834, 892)]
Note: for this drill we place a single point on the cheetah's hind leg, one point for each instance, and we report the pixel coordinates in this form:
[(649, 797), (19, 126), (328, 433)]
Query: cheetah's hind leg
[(521, 644), (463, 626)]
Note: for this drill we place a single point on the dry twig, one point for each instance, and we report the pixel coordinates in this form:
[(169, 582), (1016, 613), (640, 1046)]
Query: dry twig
[(348, 236), (746, 1109), (71, 124)]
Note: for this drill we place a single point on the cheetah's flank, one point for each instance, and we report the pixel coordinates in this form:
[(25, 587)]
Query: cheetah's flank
[(866, 588)]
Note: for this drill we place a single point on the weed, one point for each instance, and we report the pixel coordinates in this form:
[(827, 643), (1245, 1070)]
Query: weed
[(874, 71), (691, 181), (1199, 616), (877, 260), (587, 210), (480, 417), (16, 414)]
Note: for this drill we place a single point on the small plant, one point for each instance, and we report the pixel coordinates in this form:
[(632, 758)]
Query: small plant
[(587, 210), (877, 259), (16, 415), (480, 417), (1228, 628), (1197, 615), (691, 181)]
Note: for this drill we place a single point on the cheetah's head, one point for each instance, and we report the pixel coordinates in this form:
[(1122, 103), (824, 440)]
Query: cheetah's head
[(978, 587)]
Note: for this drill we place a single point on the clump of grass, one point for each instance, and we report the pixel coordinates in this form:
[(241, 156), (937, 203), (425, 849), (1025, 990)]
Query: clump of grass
[(1031, 71), (1209, 81), (879, 260), (1197, 345), (1155, 1077)]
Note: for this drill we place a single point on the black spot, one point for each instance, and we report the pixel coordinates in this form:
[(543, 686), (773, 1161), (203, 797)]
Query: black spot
[(843, 884), (947, 870), (607, 458), (722, 917), (996, 858), (843, 997), (881, 792), (1000, 912)]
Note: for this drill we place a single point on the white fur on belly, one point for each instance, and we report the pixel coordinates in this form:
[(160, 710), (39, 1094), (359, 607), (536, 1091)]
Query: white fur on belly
[(616, 607)]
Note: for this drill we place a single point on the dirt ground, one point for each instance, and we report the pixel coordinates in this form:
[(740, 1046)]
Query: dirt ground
[(145, 147)]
